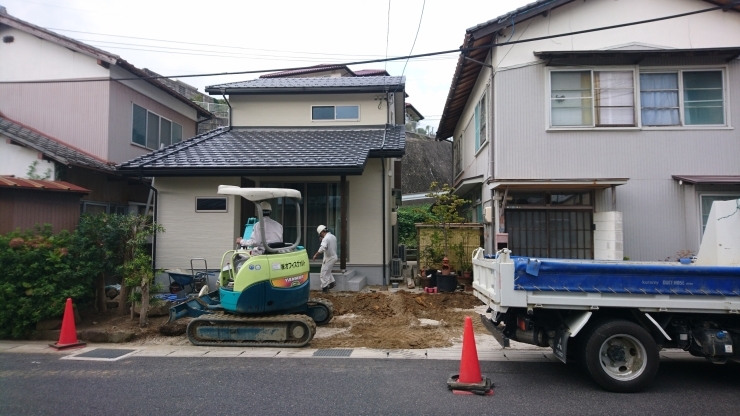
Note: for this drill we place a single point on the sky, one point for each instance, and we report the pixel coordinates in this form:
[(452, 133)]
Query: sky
[(187, 37)]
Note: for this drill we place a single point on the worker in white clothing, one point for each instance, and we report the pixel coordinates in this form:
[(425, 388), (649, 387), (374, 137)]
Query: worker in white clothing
[(329, 248), (273, 229)]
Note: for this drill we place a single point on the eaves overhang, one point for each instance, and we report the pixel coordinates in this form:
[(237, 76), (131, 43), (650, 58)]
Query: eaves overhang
[(556, 184), (303, 90), (708, 179), (631, 57)]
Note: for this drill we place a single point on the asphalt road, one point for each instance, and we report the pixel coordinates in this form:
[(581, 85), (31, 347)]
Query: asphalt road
[(43, 384)]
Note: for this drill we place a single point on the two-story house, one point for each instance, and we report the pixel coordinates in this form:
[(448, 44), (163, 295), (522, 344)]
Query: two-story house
[(70, 111), (334, 138), (606, 144)]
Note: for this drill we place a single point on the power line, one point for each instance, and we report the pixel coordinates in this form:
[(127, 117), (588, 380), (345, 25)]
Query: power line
[(199, 44), (421, 16), (423, 55)]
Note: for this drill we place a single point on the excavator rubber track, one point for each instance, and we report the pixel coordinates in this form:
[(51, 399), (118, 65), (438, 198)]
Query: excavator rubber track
[(321, 310), (227, 330)]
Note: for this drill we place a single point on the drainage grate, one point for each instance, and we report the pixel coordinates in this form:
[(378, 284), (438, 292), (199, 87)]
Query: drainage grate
[(332, 353), (101, 354)]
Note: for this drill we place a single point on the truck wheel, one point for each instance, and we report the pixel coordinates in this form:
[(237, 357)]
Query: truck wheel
[(621, 356)]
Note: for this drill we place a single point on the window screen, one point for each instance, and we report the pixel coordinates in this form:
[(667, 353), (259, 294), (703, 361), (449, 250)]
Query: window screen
[(165, 133), (176, 133)]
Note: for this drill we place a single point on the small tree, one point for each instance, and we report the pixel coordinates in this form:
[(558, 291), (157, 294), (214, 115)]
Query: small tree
[(445, 210), (138, 272)]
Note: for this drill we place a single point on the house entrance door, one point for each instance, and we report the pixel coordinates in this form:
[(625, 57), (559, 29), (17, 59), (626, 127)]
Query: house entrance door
[(553, 233)]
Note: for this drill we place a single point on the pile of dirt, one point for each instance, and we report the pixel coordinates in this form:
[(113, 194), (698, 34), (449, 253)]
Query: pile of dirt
[(372, 319)]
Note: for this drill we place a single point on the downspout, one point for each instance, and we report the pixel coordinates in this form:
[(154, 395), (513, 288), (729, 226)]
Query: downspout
[(223, 94), (384, 286)]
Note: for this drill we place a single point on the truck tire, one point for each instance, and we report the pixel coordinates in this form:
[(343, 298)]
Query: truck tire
[(620, 356)]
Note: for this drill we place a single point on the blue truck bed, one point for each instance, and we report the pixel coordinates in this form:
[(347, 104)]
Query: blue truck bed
[(552, 275)]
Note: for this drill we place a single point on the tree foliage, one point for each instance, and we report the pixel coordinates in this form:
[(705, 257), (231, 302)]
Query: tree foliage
[(408, 217), (39, 272)]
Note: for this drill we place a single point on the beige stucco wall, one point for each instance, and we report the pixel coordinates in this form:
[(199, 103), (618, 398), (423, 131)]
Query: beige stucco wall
[(189, 234), (295, 110)]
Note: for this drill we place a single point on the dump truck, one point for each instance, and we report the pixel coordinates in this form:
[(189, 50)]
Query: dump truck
[(614, 317)]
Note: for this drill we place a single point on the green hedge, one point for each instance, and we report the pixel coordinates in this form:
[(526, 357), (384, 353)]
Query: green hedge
[(38, 272)]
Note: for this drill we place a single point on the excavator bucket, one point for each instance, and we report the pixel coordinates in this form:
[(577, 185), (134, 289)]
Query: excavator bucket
[(195, 307)]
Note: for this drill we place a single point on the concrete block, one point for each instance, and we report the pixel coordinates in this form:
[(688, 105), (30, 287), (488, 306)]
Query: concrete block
[(356, 283), (608, 254), (608, 216), (608, 245), (609, 235), (608, 226)]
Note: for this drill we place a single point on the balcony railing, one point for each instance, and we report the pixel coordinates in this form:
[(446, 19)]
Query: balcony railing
[(219, 110)]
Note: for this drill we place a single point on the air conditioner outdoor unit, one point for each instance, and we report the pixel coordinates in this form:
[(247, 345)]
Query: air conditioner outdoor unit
[(402, 253), (396, 268)]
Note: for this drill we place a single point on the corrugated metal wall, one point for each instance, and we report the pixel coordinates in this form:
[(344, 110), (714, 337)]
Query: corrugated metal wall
[(654, 207), (25, 208), (75, 113)]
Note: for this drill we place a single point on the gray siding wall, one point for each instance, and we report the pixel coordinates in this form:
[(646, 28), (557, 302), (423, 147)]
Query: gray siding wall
[(122, 99), (660, 218), (75, 112)]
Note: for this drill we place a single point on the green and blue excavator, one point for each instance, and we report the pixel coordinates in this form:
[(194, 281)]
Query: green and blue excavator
[(263, 295)]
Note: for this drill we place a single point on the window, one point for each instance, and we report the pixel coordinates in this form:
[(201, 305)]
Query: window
[(320, 205), (457, 150), (592, 99), (335, 112), (700, 93), (210, 204), (153, 131), (480, 123), (706, 206)]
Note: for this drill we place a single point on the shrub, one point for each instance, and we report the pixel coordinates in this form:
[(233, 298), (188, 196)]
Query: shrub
[(39, 272)]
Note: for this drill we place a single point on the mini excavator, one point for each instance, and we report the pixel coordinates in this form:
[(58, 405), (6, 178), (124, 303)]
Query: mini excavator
[(263, 296)]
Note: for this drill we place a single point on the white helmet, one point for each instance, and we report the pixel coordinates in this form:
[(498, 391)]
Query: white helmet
[(321, 228), (266, 206)]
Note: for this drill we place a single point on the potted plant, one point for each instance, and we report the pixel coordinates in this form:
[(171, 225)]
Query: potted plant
[(444, 211)]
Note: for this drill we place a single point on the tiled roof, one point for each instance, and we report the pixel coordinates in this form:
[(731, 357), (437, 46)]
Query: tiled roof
[(310, 70), (39, 185), (371, 72), (272, 151), (52, 148), (293, 85)]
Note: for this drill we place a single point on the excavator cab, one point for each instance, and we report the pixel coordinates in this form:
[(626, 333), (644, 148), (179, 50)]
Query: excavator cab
[(263, 298)]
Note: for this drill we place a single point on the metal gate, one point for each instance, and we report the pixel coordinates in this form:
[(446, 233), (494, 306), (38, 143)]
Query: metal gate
[(564, 234)]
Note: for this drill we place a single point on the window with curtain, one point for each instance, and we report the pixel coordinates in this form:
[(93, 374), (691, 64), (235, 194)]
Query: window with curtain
[(659, 99), (614, 94), (688, 98), (592, 99)]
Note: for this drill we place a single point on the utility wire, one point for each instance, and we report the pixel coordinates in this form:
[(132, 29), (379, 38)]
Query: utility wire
[(423, 55), (421, 16), (198, 44)]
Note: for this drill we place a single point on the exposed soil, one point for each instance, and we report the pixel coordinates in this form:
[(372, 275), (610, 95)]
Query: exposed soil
[(373, 319)]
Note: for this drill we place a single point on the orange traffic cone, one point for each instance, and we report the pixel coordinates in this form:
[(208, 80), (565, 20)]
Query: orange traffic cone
[(469, 380), (68, 335)]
